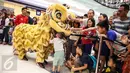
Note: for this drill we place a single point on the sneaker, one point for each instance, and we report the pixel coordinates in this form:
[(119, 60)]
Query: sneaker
[(25, 58), (57, 72), (0, 42), (41, 65), (45, 62), (4, 43), (10, 43), (29, 50)]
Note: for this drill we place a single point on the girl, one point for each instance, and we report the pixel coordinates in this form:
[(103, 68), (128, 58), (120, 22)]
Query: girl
[(34, 20), (87, 43), (71, 45), (72, 42), (4, 23), (102, 17)]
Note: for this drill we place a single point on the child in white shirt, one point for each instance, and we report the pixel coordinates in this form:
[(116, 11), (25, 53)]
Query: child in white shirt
[(59, 52)]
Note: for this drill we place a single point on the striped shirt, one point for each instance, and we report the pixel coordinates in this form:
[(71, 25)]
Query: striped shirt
[(121, 27)]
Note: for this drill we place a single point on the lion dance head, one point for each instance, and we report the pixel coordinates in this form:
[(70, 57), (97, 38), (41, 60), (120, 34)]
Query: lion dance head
[(58, 15)]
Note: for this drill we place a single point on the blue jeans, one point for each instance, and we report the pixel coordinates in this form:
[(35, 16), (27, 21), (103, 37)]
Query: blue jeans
[(5, 37), (10, 39)]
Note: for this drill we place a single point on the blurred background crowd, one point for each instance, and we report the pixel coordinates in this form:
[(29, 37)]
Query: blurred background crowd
[(8, 21)]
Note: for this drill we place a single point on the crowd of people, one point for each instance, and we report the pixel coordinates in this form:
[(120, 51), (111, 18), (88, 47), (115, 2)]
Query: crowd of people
[(8, 21), (77, 50), (114, 57)]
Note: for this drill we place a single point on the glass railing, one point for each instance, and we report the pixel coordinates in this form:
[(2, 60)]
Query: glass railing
[(114, 4)]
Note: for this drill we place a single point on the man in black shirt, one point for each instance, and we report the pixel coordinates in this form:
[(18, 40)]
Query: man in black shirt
[(30, 20)]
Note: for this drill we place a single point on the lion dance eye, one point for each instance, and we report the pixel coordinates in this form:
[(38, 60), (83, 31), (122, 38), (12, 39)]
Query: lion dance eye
[(62, 25), (58, 14)]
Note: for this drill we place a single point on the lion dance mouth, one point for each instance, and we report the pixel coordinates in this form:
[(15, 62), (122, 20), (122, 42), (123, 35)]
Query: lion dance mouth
[(36, 37)]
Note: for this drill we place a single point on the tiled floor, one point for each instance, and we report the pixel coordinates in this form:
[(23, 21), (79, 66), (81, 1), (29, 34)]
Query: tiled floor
[(20, 66)]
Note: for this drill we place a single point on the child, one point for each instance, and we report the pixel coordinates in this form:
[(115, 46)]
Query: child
[(59, 52), (85, 63), (11, 31), (71, 47), (111, 65), (106, 49), (5, 21)]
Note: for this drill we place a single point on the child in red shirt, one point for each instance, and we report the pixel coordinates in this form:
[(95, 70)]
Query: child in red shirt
[(87, 43)]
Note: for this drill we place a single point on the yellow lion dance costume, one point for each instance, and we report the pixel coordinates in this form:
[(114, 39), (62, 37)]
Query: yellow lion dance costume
[(37, 37)]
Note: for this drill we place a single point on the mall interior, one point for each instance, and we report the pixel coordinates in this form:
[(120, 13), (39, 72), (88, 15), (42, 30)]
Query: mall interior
[(64, 36)]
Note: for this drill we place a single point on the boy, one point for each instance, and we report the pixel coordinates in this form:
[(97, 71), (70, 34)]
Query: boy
[(111, 65), (85, 62), (11, 31), (59, 52), (106, 49)]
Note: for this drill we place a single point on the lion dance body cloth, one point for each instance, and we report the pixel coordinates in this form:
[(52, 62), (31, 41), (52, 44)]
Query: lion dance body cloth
[(37, 37)]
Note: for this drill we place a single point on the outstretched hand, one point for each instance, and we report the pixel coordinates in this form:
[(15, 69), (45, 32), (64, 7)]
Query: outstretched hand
[(102, 35), (124, 39), (73, 69)]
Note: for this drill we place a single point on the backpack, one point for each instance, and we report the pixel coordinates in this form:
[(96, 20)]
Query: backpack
[(94, 61)]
